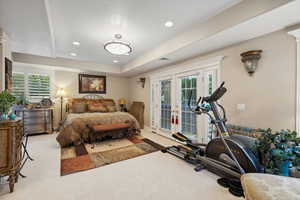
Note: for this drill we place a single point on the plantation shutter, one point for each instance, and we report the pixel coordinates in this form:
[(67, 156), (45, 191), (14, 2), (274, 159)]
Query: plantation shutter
[(18, 89), (38, 86)]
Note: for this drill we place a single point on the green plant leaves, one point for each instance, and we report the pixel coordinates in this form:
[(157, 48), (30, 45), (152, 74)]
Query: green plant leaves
[(277, 147), (6, 101)]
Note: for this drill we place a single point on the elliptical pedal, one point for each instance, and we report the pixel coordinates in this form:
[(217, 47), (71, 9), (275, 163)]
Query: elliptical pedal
[(199, 167)]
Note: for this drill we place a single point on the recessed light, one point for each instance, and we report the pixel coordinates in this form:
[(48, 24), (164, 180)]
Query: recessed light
[(73, 54), (115, 61), (76, 43), (169, 24)]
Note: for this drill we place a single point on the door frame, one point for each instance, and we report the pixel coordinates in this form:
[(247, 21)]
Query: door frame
[(173, 71), (159, 102), (199, 74)]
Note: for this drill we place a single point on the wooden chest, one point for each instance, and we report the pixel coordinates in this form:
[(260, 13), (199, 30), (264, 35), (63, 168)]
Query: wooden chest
[(10, 150)]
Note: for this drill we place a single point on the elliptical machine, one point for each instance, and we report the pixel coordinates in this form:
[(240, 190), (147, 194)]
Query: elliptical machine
[(227, 155)]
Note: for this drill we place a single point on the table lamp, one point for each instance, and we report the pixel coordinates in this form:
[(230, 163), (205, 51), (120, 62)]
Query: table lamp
[(122, 103)]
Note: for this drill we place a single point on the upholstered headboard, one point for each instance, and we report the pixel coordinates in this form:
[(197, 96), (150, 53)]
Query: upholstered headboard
[(89, 99)]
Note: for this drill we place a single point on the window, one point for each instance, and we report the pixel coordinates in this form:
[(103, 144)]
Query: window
[(18, 88), (33, 86)]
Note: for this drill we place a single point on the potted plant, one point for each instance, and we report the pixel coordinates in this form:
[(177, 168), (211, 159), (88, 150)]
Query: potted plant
[(6, 102), (280, 151), (21, 102)]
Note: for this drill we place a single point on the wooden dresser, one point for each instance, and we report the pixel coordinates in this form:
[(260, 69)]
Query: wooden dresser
[(36, 121), (10, 150)]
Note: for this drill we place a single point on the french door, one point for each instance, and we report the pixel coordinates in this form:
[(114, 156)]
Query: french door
[(165, 105), (173, 96), (188, 88)]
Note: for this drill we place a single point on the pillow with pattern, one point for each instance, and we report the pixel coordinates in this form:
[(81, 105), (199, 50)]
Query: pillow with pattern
[(79, 108), (111, 108), (97, 107)]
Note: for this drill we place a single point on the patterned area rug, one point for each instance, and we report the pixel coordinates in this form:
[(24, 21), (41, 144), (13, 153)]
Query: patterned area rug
[(88, 156)]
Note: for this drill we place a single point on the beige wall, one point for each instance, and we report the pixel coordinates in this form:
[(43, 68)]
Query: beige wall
[(5, 51), (117, 87), (137, 93), (269, 95)]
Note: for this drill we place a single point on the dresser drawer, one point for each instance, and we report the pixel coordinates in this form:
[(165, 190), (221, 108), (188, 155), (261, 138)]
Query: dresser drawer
[(36, 114), (28, 121), (37, 121), (38, 128)]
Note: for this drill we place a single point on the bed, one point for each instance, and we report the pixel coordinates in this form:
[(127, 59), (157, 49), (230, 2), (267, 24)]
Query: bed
[(84, 113)]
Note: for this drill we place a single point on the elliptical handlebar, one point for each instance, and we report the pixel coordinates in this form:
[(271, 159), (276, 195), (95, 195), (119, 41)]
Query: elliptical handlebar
[(218, 93)]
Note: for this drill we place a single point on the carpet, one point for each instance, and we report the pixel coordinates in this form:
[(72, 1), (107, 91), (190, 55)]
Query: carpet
[(88, 156)]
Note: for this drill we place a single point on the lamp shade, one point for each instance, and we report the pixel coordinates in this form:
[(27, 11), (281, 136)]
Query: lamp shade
[(122, 101), (61, 92)]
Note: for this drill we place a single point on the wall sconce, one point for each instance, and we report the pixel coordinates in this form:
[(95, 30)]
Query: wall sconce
[(142, 80), (250, 60)]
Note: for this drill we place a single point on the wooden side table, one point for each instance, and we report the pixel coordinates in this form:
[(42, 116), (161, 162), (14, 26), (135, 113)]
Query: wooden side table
[(10, 150)]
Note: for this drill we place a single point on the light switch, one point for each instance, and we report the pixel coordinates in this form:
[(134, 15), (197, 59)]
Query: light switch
[(241, 107)]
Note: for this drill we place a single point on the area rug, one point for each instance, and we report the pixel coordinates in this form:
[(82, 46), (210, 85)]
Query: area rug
[(89, 156)]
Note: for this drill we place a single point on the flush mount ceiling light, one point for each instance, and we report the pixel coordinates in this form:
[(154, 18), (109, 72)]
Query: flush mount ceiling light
[(76, 43), (73, 54), (115, 61), (169, 24), (118, 47)]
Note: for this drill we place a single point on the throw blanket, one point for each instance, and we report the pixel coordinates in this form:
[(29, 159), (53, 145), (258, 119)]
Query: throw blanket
[(77, 127)]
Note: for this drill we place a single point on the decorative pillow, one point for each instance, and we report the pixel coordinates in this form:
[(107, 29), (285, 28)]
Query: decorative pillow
[(111, 108), (99, 107), (79, 108)]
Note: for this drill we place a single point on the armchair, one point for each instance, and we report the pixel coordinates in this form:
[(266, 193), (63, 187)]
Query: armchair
[(137, 110)]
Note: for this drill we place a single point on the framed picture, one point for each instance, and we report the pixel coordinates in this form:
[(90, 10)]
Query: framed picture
[(8, 74), (92, 84)]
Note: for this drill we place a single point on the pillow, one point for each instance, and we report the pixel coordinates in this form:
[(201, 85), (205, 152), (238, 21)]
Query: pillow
[(97, 107), (79, 107), (110, 105), (111, 108)]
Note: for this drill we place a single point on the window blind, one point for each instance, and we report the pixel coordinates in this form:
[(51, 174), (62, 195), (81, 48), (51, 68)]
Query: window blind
[(18, 80), (38, 86), (34, 87)]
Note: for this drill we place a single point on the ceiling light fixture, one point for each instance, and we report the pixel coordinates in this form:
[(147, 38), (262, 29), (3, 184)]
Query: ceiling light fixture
[(169, 24), (118, 47), (73, 54), (115, 61), (76, 43)]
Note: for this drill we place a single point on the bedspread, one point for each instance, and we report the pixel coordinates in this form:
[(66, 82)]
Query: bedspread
[(77, 127)]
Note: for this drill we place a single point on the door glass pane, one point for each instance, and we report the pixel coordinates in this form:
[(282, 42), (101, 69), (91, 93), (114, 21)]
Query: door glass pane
[(188, 118), (210, 90), (153, 104), (165, 101)]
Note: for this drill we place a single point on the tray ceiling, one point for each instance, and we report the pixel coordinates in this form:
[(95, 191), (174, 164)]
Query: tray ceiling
[(48, 28)]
